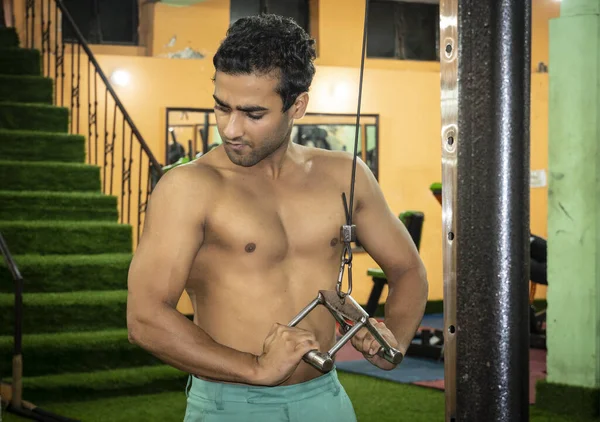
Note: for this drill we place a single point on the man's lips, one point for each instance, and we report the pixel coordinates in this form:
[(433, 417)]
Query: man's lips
[(236, 146)]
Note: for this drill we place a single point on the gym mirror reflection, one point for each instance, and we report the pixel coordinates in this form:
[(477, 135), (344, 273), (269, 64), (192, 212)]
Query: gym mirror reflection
[(192, 132)]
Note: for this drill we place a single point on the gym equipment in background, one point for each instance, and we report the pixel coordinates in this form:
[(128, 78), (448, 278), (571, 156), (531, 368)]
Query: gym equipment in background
[(428, 342), (537, 275), (413, 220), (538, 252)]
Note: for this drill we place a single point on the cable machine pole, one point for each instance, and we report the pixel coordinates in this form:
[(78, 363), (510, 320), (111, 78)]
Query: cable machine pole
[(485, 94)]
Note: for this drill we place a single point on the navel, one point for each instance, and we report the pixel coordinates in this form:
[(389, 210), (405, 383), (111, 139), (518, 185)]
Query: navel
[(250, 247), (333, 242)]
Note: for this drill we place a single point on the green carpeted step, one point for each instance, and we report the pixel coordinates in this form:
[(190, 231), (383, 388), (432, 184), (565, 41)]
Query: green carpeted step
[(23, 145), (20, 61), (113, 383), (65, 273), (8, 38), (26, 89), (75, 352), (66, 237), (38, 117), (71, 206), (49, 176), (60, 312)]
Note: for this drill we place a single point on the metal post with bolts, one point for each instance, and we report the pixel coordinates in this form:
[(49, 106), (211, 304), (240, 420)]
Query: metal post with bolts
[(485, 94)]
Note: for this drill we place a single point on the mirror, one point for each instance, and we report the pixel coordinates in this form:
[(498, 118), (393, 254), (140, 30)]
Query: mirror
[(191, 132)]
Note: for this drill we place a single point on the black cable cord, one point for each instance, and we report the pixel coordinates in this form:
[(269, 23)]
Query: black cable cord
[(360, 85)]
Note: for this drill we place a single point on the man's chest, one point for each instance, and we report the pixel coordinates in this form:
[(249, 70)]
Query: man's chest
[(272, 223)]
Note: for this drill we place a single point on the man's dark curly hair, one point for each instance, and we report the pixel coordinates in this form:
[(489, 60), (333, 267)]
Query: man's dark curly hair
[(266, 43)]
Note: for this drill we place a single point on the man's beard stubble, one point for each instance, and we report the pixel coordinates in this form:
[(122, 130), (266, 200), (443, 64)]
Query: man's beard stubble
[(251, 156)]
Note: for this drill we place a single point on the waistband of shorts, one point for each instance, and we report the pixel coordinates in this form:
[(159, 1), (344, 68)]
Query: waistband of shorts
[(219, 391)]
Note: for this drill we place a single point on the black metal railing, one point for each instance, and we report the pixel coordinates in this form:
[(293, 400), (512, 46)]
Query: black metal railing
[(129, 170), (18, 331), (16, 404)]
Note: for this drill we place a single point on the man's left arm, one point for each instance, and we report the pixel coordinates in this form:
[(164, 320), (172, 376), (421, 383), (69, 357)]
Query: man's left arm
[(388, 242)]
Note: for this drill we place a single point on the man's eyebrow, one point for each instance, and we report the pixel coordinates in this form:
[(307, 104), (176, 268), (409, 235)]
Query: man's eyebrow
[(246, 109)]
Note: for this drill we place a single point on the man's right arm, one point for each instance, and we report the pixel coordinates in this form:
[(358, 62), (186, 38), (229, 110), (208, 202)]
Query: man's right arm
[(173, 234)]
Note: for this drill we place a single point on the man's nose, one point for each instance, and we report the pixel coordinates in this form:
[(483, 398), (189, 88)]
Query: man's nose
[(234, 128)]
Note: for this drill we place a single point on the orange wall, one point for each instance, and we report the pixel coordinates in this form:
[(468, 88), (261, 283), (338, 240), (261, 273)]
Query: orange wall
[(542, 12), (405, 94), (200, 27)]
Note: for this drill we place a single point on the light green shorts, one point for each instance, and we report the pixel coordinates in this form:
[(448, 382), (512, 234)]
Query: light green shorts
[(322, 399)]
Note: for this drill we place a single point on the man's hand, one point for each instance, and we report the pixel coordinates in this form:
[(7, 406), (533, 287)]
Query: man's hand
[(282, 352), (364, 342)]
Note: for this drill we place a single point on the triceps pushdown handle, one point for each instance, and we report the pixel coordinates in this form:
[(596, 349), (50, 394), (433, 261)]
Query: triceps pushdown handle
[(324, 361)]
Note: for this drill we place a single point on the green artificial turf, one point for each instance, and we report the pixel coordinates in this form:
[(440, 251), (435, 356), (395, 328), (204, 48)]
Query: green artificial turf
[(74, 257), (65, 273), (568, 399), (374, 400), (8, 38), (20, 61), (71, 206), (75, 352), (74, 387), (46, 176), (61, 312), (66, 237), (37, 117), (23, 145), (26, 89)]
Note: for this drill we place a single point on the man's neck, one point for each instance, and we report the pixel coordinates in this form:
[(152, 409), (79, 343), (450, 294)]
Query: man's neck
[(277, 163)]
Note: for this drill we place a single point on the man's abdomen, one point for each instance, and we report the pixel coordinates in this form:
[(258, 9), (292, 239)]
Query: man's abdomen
[(238, 310)]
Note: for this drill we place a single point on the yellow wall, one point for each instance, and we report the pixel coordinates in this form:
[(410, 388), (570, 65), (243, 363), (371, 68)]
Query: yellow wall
[(405, 94), (543, 11), (200, 27)]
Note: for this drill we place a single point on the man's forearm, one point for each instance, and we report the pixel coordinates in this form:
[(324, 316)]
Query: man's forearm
[(179, 342), (405, 304)]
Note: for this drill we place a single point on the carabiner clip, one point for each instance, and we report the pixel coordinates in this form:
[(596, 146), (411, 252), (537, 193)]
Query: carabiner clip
[(346, 260)]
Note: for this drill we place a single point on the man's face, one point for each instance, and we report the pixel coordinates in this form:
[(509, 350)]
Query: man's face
[(249, 117)]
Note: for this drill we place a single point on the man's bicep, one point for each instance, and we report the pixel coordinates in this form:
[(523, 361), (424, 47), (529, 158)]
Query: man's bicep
[(172, 235), (379, 231)]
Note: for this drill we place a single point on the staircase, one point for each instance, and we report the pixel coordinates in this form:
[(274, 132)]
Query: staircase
[(73, 254)]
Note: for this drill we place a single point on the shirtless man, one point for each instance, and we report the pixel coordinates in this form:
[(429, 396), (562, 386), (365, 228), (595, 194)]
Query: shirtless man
[(251, 230)]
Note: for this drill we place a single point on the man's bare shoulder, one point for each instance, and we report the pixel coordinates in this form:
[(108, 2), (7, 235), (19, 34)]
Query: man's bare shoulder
[(197, 178), (334, 163)]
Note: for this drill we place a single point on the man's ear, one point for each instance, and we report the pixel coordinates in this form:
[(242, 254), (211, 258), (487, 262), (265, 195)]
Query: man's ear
[(299, 107)]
